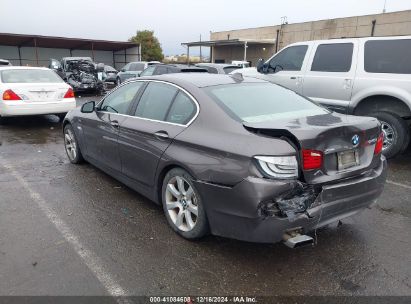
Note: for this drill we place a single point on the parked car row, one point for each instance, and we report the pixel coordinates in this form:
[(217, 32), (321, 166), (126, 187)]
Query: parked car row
[(226, 154)]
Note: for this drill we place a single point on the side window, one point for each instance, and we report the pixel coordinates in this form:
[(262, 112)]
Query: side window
[(160, 70), (120, 100), (133, 67), (335, 57), (155, 101), (139, 66), (126, 67), (388, 56), (182, 110), (149, 71), (290, 59)]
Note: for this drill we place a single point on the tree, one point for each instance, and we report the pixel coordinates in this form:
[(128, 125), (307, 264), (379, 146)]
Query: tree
[(150, 46)]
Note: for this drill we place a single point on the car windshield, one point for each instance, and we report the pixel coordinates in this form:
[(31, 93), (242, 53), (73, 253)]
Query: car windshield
[(259, 102), (29, 76)]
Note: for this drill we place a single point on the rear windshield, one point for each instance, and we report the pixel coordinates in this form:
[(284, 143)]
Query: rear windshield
[(388, 56), (259, 102), (29, 76)]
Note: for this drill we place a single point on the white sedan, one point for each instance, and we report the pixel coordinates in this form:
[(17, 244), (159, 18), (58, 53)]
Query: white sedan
[(33, 91)]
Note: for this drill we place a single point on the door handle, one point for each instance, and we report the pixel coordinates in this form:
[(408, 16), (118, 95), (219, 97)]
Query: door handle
[(293, 77), (161, 135), (114, 123)]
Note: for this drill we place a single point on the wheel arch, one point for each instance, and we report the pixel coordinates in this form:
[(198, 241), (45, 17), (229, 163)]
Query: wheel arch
[(162, 173), (382, 103)]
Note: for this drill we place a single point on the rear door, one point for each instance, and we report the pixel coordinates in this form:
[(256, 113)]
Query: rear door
[(330, 74), (101, 127), (162, 112), (287, 67)]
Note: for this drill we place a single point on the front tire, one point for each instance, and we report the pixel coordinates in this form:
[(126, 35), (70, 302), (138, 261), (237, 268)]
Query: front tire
[(396, 133), (183, 206), (118, 81), (71, 145)]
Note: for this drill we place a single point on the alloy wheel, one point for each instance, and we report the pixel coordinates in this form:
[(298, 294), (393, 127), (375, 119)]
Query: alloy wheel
[(181, 203), (70, 144), (389, 135)]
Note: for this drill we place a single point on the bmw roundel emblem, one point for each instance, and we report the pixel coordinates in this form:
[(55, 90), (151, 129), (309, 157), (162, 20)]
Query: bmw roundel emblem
[(355, 140)]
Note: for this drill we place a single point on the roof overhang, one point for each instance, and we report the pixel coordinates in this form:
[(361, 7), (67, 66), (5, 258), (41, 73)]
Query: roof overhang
[(20, 40), (230, 42)]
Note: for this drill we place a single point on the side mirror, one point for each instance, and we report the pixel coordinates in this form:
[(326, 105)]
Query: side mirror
[(122, 70), (88, 107), (262, 66)]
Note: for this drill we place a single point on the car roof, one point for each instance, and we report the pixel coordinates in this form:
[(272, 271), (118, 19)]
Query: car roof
[(13, 67), (202, 80), (348, 39), (77, 58), (221, 65)]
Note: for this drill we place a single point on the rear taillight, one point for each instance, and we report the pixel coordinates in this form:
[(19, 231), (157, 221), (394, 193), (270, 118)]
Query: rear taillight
[(10, 95), (312, 159), (379, 144), (69, 93)]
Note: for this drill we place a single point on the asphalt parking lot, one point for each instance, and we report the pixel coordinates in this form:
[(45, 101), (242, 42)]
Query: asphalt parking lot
[(73, 230)]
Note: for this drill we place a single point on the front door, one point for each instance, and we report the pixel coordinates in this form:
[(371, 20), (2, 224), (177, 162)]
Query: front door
[(101, 128), (286, 68)]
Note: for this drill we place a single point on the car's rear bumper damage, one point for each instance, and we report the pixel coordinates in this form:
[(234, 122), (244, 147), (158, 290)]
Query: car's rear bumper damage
[(261, 210)]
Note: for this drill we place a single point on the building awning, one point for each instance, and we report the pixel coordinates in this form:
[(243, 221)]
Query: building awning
[(20, 40), (232, 42)]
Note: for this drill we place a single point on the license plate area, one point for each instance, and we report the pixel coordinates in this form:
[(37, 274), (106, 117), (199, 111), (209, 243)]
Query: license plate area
[(348, 159)]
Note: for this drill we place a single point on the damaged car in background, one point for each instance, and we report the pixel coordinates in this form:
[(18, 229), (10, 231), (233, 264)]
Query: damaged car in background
[(236, 157), (81, 73)]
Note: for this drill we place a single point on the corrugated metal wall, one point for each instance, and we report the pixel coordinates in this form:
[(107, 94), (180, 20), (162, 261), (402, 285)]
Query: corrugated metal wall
[(28, 55)]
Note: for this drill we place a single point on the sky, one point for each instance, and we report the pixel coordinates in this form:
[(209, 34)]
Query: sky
[(173, 21)]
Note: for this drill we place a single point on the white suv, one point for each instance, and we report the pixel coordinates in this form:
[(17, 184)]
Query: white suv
[(360, 76)]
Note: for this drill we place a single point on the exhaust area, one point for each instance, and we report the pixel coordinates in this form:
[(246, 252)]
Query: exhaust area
[(293, 239)]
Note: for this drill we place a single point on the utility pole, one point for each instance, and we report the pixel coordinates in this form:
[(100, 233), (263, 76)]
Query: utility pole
[(385, 4), (201, 55)]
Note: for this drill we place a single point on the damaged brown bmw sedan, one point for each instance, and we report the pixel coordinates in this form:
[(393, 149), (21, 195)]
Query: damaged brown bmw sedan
[(231, 156)]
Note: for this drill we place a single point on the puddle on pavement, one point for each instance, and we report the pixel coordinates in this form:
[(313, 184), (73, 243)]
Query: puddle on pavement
[(30, 130)]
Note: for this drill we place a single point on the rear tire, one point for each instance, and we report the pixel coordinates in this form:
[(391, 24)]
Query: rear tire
[(396, 133), (71, 145), (183, 206), (61, 116)]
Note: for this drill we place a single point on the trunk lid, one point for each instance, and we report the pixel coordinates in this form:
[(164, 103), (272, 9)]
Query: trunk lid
[(39, 92), (330, 133)]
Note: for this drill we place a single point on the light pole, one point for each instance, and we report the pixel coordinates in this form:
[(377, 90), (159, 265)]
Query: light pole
[(384, 10)]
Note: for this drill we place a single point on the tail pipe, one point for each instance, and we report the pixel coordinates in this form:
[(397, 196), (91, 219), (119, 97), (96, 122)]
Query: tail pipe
[(294, 239)]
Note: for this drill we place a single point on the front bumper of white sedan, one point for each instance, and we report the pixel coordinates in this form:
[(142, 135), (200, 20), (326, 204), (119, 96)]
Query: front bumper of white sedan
[(24, 108)]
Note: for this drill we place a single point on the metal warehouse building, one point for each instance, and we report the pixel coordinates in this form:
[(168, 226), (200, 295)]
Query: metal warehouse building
[(36, 50), (254, 43)]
